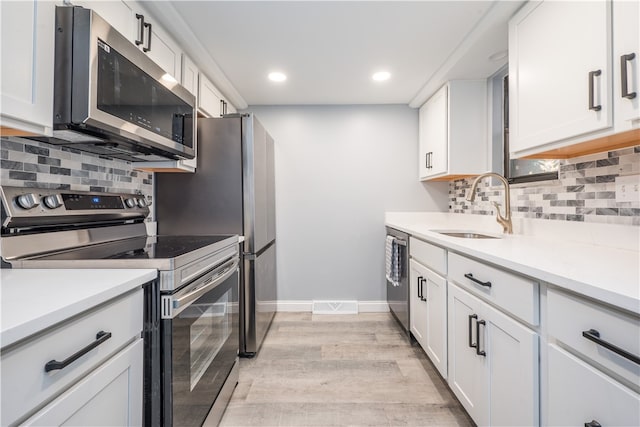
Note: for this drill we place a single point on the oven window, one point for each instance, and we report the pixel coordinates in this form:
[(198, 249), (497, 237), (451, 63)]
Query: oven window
[(208, 334), (199, 349), (121, 88)]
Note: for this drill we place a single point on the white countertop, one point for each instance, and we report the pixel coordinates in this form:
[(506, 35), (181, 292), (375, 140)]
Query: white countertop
[(581, 260), (33, 300)]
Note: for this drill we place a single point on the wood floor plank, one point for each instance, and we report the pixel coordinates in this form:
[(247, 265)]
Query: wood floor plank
[(340, 370)]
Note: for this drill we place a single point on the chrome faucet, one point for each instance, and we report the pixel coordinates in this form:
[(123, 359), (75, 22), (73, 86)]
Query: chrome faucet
[(504, 221)]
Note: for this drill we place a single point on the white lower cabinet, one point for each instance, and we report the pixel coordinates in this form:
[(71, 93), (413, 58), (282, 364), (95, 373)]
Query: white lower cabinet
[(428, 312), (493, 362), (110, 396), (43, 380), (580, 394)]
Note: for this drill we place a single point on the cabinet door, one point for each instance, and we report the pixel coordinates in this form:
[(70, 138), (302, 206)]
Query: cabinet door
[(434, 134), (579, 394), (117, 13), (110, 395), (468, 372), (512, 355), (164, 51), (27, 48), (209, 100), (417, 306), (554, 46), (190, 75), (626, 41), (435, 292)]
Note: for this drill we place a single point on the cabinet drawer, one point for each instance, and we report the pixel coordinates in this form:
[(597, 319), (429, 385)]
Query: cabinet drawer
[(513, 293), (579, 394), (429, 255), (26, 386), (569, 316)]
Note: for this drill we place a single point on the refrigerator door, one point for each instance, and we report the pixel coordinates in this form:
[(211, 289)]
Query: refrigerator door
[(209, 201), (258, 185), (260, 299)]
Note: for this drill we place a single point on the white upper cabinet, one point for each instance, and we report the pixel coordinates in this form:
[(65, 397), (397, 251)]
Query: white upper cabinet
[(626, 64), (137, 25), (209, 99), (27, 55), (564, 73), (190, 75), (453, 132), (118, 14)]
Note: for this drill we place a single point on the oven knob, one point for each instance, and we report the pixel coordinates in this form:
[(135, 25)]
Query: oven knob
[(27, 201), (131, 202), (52, 201), (142, 203)]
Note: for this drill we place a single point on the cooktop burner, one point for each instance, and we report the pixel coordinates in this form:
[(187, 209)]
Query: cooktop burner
[(152, 247)]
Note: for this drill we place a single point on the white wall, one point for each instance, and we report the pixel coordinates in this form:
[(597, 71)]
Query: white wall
[(338, 169)]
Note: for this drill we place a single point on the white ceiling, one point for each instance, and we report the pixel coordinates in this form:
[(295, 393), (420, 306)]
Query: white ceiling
[(330, 49)]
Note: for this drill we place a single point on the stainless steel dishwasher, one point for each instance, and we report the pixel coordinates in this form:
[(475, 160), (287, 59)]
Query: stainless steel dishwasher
[(398, 290)]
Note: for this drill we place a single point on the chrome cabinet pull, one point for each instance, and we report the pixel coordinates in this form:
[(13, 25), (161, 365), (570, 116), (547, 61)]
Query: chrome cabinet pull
[(150, 27), (140, 38), (592, 76), (624, 77), (593, 335), (471, 317), (478, 351), (53, 365), (479, 282)]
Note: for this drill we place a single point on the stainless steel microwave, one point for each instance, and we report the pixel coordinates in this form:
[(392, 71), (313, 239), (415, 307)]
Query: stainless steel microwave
[(111, 99)]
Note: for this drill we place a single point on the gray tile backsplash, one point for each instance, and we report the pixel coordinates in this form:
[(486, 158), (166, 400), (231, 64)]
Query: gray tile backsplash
[(584, 191), (28, 163)]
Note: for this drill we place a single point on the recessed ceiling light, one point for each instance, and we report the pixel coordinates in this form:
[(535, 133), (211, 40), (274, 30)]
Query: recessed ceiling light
[(381, 76), (277, 77)]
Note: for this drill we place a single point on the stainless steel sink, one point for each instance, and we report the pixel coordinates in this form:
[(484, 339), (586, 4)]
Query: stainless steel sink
[(465, 234)]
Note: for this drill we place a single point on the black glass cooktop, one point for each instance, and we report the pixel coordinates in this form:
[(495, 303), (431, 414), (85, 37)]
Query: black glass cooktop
[(138, 248)]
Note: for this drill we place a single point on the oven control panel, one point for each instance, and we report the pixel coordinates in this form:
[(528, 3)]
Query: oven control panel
[(19, 202)]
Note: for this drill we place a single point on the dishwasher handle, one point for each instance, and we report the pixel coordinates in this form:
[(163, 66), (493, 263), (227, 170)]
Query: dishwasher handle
[(172, 305)]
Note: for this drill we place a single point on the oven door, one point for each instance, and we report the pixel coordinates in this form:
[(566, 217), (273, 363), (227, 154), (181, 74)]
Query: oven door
[(200, 341)]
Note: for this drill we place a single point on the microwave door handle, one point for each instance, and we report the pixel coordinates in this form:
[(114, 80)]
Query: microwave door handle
[(179, 303)]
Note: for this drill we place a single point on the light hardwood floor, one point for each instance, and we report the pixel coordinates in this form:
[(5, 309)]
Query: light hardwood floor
[(340, 370)]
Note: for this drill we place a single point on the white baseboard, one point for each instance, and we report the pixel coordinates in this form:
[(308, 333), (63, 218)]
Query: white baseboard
[(295, 306), (373, 307), (306, 306)]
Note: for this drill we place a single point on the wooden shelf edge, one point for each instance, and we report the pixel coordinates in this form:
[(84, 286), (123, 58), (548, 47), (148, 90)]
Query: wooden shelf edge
[(7, 131), (606, 143), (450, 177)]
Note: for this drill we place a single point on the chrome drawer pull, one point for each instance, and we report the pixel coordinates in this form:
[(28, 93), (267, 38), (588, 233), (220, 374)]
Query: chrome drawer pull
[(479, 282), (52, 365), (594, 336)]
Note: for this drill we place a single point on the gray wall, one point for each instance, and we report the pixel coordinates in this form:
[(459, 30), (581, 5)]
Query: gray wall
[(338, 169)]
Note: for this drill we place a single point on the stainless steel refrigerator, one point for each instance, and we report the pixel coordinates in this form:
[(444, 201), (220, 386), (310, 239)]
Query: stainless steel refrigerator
[(231, 192)]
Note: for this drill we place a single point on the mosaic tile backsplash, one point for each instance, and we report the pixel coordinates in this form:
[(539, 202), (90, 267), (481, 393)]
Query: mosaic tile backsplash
[(28, 163), (584, 191)]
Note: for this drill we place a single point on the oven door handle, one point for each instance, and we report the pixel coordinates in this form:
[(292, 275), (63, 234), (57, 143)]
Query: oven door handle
[(184, 298)]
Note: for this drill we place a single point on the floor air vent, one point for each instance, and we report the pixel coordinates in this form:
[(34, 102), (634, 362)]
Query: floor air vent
[(335, 307)]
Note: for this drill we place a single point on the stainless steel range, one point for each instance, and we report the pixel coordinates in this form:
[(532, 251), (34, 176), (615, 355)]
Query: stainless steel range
[(191, 327)]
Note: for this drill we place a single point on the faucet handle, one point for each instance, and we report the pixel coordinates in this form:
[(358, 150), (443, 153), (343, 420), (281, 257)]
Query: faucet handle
[(499, 216)]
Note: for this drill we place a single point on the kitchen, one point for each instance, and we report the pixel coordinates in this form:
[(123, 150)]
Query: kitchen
[(346, 157)]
